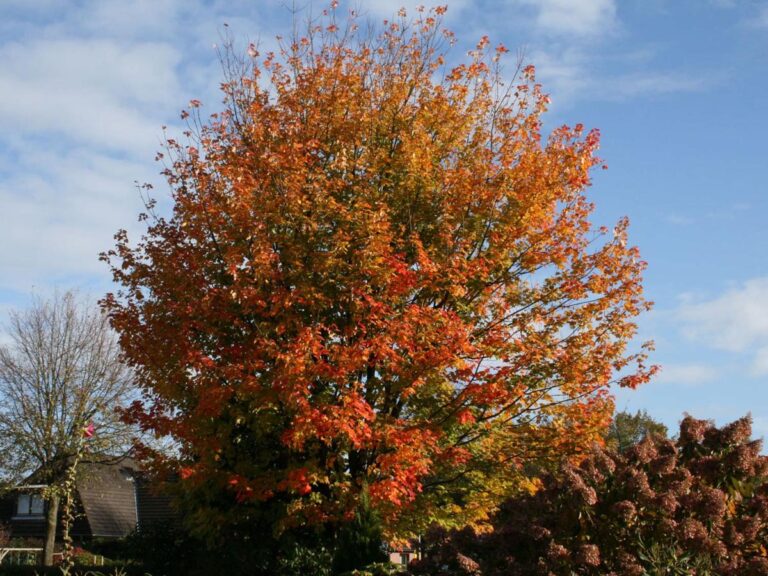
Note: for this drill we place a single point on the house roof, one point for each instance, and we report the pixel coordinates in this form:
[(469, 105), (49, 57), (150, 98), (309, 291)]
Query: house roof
[(116, 496), (108, 495)]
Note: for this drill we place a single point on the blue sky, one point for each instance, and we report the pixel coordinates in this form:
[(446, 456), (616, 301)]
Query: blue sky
[(679, 89)]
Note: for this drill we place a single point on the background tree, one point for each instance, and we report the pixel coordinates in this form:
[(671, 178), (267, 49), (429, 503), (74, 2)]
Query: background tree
[(59, 371), (377, 273), (627, 429), (698, 505), (360, 541)]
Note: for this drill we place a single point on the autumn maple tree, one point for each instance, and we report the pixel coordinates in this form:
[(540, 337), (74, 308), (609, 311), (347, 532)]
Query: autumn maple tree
[(378, 277)]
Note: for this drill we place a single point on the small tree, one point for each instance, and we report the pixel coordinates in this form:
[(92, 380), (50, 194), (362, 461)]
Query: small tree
[(60, 371), (360, 541), (627, 429), (695, 506)]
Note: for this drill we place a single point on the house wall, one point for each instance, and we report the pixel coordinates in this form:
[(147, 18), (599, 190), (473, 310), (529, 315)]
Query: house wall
[(403, 556), (34, 528), (113, 499)]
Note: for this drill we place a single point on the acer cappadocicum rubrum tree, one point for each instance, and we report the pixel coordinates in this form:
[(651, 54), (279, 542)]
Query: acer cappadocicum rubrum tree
[(378, 277)]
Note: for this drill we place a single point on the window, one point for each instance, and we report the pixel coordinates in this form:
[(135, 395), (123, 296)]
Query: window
[(30, 505)]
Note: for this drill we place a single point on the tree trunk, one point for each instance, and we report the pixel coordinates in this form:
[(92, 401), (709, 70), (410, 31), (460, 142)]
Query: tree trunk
[(52, 518)]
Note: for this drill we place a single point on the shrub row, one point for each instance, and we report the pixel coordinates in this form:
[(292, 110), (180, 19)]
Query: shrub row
[(697, 505)]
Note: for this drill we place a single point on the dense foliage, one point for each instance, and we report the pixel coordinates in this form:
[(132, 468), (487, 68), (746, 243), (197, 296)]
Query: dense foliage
[(379, 278), (695, 506)]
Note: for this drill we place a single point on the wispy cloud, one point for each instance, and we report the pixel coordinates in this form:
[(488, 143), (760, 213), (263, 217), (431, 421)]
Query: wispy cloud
[(82, 115), (135, 19), (649, 83), (64, 211), (581, 52), (86, 87), (760, 362), (90, 91), (736, 321), (688, 375), (387, 9), (723, 213), (575, 73), (564, 72), (580, 18)]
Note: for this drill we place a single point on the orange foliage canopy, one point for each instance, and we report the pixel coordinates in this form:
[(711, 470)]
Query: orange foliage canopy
[(377, 276)]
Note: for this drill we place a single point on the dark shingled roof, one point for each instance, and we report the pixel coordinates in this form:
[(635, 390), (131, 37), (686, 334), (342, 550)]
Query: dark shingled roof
[(154, 506), (108, 495)]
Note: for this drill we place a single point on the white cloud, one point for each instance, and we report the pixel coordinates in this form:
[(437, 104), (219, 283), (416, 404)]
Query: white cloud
[(85, 93), (582, 18), (737, 321), (86, 87), (64, 209), (649, 83), (573, 64), (760, 362), (570, 74), (563, 73), (137, 18), (381, 9), (90, 91), (687, 374)]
